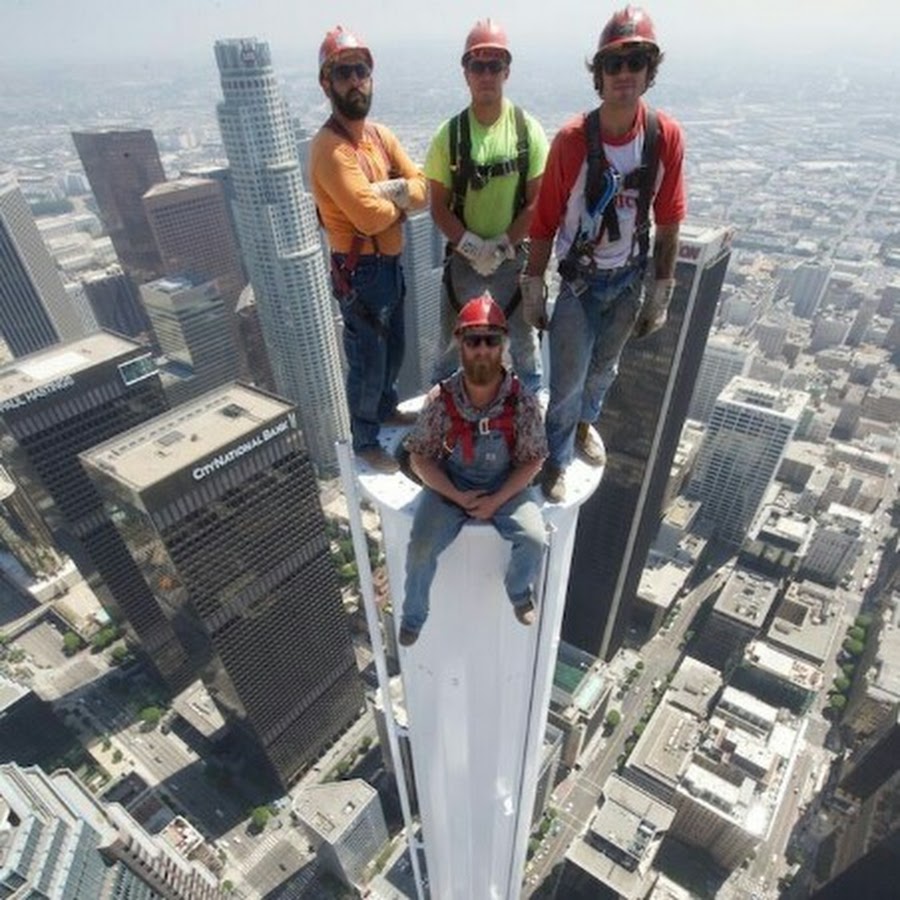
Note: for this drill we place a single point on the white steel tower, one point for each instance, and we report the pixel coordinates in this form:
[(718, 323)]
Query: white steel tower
[(279, 237), (477, 687)]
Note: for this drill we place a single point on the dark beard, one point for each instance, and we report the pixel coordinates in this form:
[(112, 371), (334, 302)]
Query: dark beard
[(483, 371), (354, 105)]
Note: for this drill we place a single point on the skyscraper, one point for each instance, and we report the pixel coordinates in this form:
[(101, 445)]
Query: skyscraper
[(194, 235), (116, 303), (423, 251), (723, 358), (808, 288), (121, 165), (219, 506), (59, 841), (35, 311), (279, 236), (640, 425), (749, 430), (191, 323), (53, 405)]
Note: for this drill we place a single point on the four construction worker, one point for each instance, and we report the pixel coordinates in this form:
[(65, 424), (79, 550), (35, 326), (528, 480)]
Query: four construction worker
[(477, 446), (605, 172), (502, 202), (363, 183), (484, 170)]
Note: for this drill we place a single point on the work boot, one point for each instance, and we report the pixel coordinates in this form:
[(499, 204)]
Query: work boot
[(399, 418), (525, 612), (589, 446), (553, 482), (379, 459), (407, 636)]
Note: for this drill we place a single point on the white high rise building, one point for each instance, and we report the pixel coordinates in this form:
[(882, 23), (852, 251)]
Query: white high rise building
[(279, 237), (750, 427), (722, 360)]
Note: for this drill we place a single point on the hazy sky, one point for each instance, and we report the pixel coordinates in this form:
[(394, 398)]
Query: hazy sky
[(96, 30)]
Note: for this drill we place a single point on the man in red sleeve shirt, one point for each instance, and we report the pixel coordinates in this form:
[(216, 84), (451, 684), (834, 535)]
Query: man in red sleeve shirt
[(600, 229)]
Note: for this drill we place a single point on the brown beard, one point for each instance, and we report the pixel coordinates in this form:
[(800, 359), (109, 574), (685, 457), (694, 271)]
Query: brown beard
[(482, 371), (353, 109)]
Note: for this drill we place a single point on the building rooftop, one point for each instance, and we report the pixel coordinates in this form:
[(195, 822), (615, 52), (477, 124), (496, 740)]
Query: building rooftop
[(330, 809), (776, 662), (807, 622), (47, 371), (758, 395), (229, 421), (694, 686), (747, 597), (667, 745), (183, 183)]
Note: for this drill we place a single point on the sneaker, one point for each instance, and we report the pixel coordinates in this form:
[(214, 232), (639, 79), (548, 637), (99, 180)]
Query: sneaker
[(407, 636), (398, 418), (553, 483), (589, 446), (525, 612), (379, 459)]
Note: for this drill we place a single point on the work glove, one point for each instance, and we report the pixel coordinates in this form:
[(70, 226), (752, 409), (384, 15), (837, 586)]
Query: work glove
[(655, 307), (534, 300), (479, 253), (394, 189)]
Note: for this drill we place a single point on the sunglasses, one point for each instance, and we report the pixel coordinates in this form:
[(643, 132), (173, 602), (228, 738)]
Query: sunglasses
[(345, 71), (476, 340), (635, 62), (480, 66)]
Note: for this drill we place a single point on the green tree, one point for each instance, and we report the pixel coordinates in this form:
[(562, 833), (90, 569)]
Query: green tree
[(837, 701), (117, 755), (853, 647), (857, 633), (119, 654), (259, 817), (863, 620), (613, 717), (71, 643), (150, 716), (841, 683)]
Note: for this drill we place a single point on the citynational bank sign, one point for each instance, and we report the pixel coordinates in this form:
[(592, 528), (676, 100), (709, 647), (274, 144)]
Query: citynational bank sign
[(254, 442)]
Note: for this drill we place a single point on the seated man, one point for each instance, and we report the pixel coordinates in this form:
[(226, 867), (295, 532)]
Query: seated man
[(477, 446)]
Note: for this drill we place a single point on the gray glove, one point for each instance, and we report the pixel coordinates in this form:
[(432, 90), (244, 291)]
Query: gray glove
[(479, 253), (655, 308), (395, 189), (534, 300)]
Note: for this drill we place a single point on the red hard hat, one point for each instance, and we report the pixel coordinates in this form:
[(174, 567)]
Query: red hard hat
[(486, 34), (336, 42), (628, 26), (481, 312)]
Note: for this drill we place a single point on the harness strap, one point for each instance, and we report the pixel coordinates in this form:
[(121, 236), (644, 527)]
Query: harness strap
[(464, 430), (643, 178), (465, 174)]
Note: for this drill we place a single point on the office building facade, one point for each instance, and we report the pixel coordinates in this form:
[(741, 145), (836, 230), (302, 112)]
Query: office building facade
[(640, 425), (279, 237), (121, 165), (56, 404), (116, 303), (218, 504), (194, 234), (191, 322), (749, 430), (722, 360), (35, 310), (60, 841)]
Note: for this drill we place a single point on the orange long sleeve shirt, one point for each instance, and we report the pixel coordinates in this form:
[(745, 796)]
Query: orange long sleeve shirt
[(347, 204)]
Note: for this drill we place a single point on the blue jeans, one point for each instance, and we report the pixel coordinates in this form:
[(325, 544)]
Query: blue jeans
[(437, 522), (374, 344), (503, 284), (587, 334)]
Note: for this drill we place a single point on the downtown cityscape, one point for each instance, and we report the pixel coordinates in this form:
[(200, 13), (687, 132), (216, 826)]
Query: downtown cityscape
[(202, 693)]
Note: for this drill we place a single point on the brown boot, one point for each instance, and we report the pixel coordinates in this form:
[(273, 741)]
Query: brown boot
[(379, 459), (589, 446), (553, 482)]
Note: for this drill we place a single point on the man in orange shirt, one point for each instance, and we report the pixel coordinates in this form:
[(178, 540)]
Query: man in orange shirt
[(363, 183)]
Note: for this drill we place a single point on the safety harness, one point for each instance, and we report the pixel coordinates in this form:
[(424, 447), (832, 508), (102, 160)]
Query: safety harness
[(463, 430), (342, 268), (601, 186), (465, 174)]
